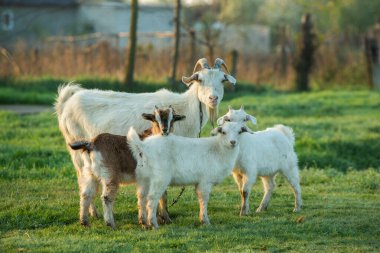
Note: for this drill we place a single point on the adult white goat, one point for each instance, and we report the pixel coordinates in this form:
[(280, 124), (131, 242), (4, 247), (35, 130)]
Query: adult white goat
[(177, 160), (83, 113), (264, 154)]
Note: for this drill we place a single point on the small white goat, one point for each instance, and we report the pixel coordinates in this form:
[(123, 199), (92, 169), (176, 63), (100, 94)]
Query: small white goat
[(264, 154), (177, 160), (108, 159)]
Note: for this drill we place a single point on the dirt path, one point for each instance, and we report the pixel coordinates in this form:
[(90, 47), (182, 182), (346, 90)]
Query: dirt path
[(26, 109)]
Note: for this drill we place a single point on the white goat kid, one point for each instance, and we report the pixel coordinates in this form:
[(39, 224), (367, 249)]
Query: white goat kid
[(177, 160), (83, 113), (264, 154)]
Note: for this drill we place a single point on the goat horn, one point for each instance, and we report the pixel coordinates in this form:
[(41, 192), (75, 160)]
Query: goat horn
[(219, 63), (203, 63)]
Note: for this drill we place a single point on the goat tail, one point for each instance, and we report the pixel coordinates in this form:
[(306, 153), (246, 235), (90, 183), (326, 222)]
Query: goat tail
[(288, 132), (65, 91), (134, 142), (84, 145)]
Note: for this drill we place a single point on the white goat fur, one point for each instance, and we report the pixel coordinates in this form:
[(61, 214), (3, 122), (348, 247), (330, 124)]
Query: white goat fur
[(176, 160), (84, 114), (264, 154)]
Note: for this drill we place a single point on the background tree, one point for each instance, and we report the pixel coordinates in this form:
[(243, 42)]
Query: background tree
[(130, 68), (206, 23), (177, 36), (359, 15), (307, 46)]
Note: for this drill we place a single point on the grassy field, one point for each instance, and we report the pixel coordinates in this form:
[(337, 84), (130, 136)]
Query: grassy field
[(338, 142)]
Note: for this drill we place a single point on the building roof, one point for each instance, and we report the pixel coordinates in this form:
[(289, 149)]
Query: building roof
[(35, 3)]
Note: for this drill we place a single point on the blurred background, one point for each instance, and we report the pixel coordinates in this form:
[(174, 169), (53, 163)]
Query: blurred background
[(285, 44), (276, 49)]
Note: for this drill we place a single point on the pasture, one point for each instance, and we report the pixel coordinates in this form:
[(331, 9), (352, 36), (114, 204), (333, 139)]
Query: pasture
[(337, 141)]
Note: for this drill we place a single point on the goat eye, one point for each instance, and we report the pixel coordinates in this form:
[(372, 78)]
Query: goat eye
[(223, 132), (227, 120)]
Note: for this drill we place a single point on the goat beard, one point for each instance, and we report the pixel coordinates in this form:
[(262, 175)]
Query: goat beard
[(213, 114)]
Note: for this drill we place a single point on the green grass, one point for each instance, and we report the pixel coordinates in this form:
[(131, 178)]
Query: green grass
[(338, 143)]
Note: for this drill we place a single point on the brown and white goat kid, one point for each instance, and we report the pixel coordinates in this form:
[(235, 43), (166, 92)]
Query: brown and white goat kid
[(109, 160)]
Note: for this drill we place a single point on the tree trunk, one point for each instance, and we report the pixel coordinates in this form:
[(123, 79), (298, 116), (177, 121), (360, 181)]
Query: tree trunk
[(306, 49), (177, 22), (371, 46), (193, 51), (234, 61), (130, 68)]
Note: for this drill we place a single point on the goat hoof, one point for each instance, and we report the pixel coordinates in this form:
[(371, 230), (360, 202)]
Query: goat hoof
[(112, 225), (149, 227), (160, 219), (85, 223), (166, 220), (205, 223), (260, 209), (296, 210), (144, 226)]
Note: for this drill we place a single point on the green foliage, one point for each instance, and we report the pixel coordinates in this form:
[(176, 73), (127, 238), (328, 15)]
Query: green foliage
[(329, 15), (243, 11), (359, 15), (337, 135)]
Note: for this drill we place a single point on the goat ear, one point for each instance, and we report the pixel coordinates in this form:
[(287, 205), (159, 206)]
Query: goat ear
[(148, 116), (215, 131), (188, 80), (178, 117), (230, 79), (246, 130), (220, 121), (251, 118)]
